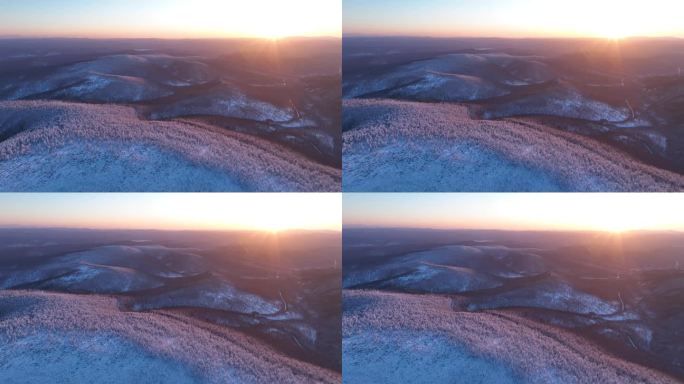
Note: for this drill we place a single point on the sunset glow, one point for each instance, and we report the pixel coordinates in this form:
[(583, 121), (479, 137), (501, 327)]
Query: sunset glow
[(609, 212), (171, 18), (612, 19), (187, 211)]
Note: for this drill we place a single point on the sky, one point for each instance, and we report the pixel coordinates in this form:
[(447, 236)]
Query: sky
[(186, 211), (170, 18), (612, 212), (515, 18)]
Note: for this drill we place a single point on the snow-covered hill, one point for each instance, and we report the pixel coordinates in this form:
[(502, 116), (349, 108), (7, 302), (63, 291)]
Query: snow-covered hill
[(58, 146)]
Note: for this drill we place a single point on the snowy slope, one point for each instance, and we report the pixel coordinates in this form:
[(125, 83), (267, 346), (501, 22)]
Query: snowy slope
[(388, 332), (394, 145), (62, 337), (56, 146)]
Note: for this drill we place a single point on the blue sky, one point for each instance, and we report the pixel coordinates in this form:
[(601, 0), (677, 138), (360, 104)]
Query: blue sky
[(48, 17), (394, 15), (516, 211), (514, 18)]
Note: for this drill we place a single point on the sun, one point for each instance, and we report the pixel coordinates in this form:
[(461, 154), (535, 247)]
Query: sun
[(613, 28), (616, 218), (266, 212), (614, 226), (274, 223), (615, 19), (614, 35), (276, 19), (613, 212), (614, 31), (273, 29)]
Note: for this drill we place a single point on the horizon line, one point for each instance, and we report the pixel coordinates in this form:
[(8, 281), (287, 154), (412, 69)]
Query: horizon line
[(5, 227), (47, 37), (361, 226), (362, 35)]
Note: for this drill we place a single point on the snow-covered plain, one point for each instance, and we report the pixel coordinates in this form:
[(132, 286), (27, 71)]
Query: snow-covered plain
[(213, 294), (552, 295), (395, 336), (113, 78), (132, 270), (480, 269), (227, 103), (393, 145), (113, 88), (74, 338), (106, 269), (452, 77), (563, 101), (57, 146), (462, 268)]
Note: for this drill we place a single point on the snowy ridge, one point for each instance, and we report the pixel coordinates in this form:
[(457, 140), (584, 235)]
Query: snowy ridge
[(78, 147), (423, 331), (200, 352), (394, 145)]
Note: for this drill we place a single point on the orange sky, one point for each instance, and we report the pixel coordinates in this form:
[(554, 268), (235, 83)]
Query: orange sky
[(515, 18), (517, 211)]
